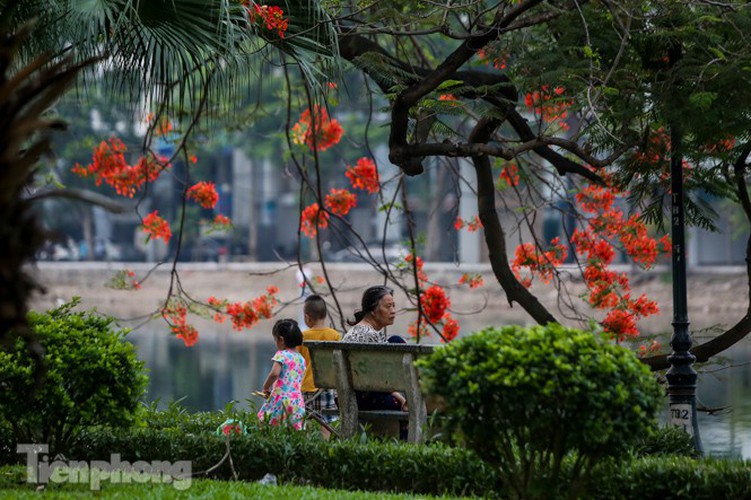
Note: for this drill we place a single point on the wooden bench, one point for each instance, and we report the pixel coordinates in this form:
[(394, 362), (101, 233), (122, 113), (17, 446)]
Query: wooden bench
[(353, 366)]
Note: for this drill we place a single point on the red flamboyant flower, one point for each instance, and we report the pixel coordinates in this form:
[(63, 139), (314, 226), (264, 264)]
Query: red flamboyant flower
[(313, 218), (156, 227), (654, 346), (549, 105), (421, 276), (434, 303), (499, 61), (449, 100), (364, 175), (473, 280), (204, 193), (271, 16), (175, 313), (621, 322), (247, 314), (108, 165), (608, 289), (222, 220), (539, 262), (450, 329), (187, 333), (319, 134), (164, 126), (472, 225), (413, 333), (340, 201), (124, 279), (510, 174)]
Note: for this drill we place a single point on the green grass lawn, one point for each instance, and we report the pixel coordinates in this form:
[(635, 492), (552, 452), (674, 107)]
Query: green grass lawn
[(13, 485)]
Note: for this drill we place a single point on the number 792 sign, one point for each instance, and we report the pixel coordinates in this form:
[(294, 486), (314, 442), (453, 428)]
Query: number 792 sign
[(680, 416)]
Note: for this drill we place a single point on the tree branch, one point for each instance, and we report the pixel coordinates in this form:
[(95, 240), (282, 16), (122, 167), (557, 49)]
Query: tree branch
[(495, 237)]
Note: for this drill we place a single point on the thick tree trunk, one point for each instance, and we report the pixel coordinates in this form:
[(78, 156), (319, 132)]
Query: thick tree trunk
[(22, 105)]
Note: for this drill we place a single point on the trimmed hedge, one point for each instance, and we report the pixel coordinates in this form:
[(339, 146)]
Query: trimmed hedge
[(300, 458), (673, 477), (303, 458)]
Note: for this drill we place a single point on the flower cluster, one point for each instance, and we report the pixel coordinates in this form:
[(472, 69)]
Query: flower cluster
[(340, 201), (219, 223), (653, 347), (609, 290), (364, 175), (204, 193), (109, 166), (474, 280), (312, 218), (245, 314), (449, 100), (549, 104), (418, 264), (450, 329), (317, 279), (124, 279), (499, 61), (722, 146), (175, 313), (509, 175), (538, 262), (156, 227), (471, 225), (319, 133), (434, 304), (654, 160), (162, 128), (272, 16)]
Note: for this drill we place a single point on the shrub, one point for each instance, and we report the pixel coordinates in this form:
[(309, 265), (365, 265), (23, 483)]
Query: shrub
[(525, 399), (668, 440), (92, 377)]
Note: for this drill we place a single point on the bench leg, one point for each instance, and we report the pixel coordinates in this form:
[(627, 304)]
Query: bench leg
[(418, 414), (347, 400)]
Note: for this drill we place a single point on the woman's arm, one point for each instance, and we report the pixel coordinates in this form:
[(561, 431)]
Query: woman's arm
[(273, 376), (401, 400)]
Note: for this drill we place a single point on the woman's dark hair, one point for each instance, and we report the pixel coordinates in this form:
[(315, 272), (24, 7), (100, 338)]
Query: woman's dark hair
[(370, 299), (289, 330)]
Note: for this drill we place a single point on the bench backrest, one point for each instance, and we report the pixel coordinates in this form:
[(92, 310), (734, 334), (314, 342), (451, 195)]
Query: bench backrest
[(373, 367)]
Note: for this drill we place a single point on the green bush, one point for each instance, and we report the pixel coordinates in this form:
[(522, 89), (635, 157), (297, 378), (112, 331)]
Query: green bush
[(668, 440), (92, 377), (525, 399)]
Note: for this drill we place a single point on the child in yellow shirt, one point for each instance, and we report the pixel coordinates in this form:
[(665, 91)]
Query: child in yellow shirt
[(316, 312)]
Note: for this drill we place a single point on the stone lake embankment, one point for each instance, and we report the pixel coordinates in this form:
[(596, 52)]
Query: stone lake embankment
[(716, 295)]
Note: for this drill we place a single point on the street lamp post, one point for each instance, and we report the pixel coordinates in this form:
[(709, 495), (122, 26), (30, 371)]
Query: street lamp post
[(681, 376)]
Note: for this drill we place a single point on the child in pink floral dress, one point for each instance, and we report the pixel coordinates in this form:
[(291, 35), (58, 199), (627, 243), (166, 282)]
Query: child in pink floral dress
[(283, 386)]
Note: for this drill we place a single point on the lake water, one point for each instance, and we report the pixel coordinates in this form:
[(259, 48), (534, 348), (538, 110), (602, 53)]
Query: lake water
[(229, 365)]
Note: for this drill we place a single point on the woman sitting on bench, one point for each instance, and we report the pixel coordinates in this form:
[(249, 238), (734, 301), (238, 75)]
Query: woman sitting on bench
[(377, 312)]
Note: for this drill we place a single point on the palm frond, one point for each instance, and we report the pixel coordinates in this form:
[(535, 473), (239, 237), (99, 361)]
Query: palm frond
[(166, 52)]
